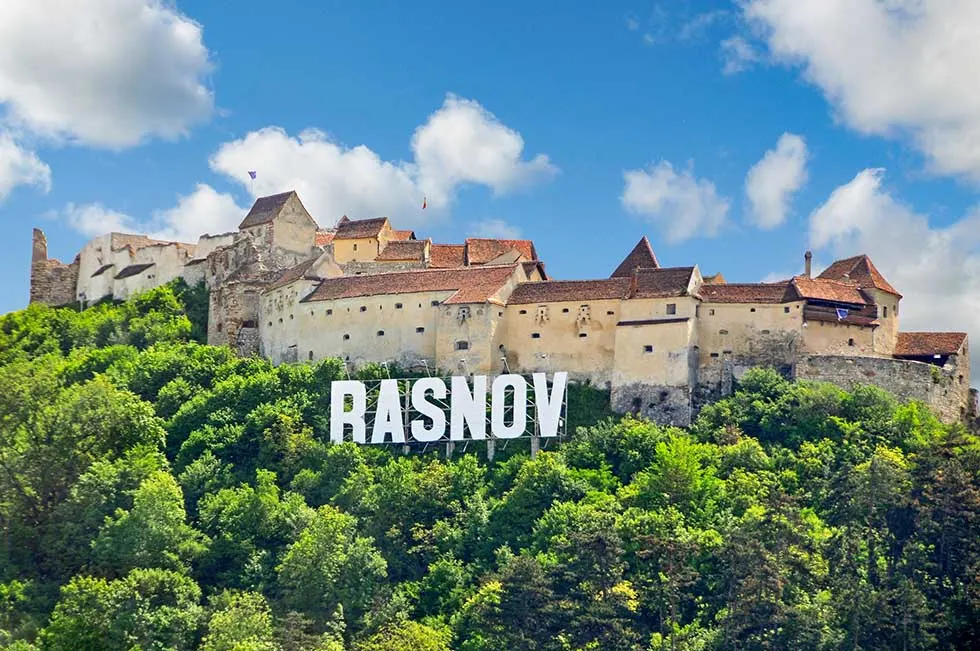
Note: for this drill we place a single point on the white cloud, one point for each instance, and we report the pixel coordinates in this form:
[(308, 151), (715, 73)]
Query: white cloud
[(771, 182), (680, 204), (460, 143), (497, 228), (888, 67), (203, 211), (936, 269), (20, 167), (738, 55), (102, 72)]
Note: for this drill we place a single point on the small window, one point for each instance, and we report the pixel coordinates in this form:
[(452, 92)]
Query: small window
[(786, 310), (355, 247), (610, 313), (329, 312), (765, 332), (462, 345), (311, 312), (523, 312), (711, 312), (420, 329), (363, 308), (671, 308), (346, 337), (290, 316), (280, 319), (219, 326), (435, 303), (751, 309), (723, 332), (850, 342), (311, 356), (648, 349), (564, 310), (583, 335), (535, 335), (726, 352), (714, 354), (381, 333), (270, 324), (398, 306), (884, 311)]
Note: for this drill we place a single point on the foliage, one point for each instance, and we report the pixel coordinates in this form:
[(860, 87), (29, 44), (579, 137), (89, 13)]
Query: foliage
[(158, 493)]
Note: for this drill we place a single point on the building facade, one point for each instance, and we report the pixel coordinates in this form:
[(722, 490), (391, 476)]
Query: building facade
[(663, 341)]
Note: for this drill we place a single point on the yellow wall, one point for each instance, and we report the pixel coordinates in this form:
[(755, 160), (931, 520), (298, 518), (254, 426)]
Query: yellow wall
[(356, 250), (835, 339), (667, 363), (740, 328)]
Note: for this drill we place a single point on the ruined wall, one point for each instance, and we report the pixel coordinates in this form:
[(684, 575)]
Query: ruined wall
[(52, 281), (946, 390), (232, 306)]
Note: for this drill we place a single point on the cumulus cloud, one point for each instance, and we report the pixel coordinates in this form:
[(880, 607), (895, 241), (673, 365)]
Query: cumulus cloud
[(936, 269), (771, 182), (20, 167), (204, 210), (888, 67), (680, 204), (102, 72), (497, 228), (460, 143)]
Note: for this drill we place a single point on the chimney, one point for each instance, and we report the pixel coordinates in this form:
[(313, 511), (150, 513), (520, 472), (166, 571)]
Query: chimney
[(808, 259)]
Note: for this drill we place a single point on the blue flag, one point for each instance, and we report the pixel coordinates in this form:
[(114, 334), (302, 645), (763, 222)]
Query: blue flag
[(251, 174), (841, 314)]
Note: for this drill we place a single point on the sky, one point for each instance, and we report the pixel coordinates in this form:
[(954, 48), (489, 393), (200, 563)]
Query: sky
[(735, 135)]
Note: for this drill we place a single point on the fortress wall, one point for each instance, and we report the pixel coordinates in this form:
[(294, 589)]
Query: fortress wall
[(465, 336), (52, 281), (280, 315), (946, 390), (559, 346), (834, 339), (747, 329), (208, 243), (232, 306)]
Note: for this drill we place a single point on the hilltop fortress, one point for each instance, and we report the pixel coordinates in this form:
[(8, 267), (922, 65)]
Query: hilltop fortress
[(664, 341)]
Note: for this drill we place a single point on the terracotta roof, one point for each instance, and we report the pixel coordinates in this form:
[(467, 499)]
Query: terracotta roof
[(744, 292), (324, 238), (475, 285), (133, 270), (402, 251), (101, 270), (265, 209), (444, 256), (927, 344), (822, 289), (293, 274), (861, 270), (559, 291), (482, 250), (641, 256), (400, 236), (353, 230), (714, 279), (662, 283)]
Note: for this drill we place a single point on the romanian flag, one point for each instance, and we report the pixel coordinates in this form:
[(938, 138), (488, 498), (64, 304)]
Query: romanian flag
[(423, 203)]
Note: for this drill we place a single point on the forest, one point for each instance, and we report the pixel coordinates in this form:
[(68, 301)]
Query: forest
[(158, 493)]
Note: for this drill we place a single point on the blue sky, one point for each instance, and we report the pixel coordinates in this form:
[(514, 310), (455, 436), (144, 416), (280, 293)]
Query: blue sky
[(581, 125)]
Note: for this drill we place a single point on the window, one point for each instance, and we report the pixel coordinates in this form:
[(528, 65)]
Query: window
[(363, 308), (219, 327), (523, 312), (355, 246), (850, 342), (311, 312), (311, 356), (723, 332), (435, 303), (270, 324), (610, 313), (462, 345), (398, 306), (346, 337), (583, 335), (751, 309), (697, 310), (648, 349), (786, 310), (714, 354), (671, 308), (711, 312), (765, 332), (726, 352), (329, 312), (290, 316), (535, 335), (381, 333), (280, 319), (564, 310), (420, 329), (884, 311)]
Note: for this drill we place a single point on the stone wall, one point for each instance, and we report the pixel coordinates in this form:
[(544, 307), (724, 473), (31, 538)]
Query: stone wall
[(666, 405), (52, 281), (945, 389)]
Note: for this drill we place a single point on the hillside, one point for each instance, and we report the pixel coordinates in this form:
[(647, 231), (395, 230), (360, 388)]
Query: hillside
[(158, 493)]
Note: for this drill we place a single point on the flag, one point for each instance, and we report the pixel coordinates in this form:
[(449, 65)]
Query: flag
[(423, 203), (841, 314), (251, 175)]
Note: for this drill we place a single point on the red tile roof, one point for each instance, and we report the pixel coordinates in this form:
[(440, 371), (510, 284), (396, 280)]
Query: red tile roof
[(714, 279), (560, 291), (663, 283), (482, 250), (641, 256), (265, 209), (445, 256), (927, 344), (403, 250), (402, 235), (862, 271), (362, 228), (293, 274), (822, 289), (324, 238), (744, 292), (476, 285)]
